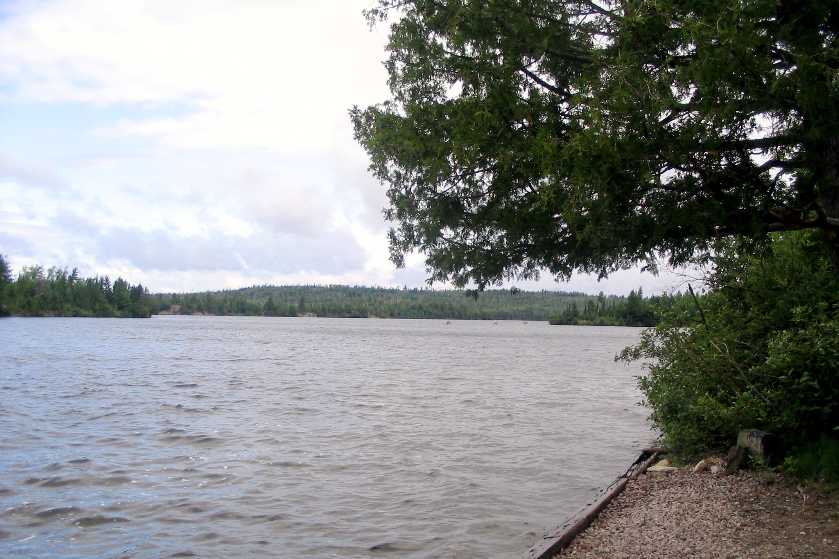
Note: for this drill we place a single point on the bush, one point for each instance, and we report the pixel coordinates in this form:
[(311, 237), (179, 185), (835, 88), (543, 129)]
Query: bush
[(766, 355), (817, 461)]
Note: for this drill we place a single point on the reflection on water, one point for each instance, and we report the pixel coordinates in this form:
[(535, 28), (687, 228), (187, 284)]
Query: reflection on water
[(227, 437)]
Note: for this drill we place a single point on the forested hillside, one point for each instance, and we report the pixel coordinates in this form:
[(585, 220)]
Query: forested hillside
[(560, 307), (347, 301)]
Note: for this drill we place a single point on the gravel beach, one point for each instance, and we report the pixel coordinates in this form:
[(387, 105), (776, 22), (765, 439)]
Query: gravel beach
[(681, 514)]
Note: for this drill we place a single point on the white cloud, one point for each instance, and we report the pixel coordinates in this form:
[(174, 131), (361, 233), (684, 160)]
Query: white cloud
[(221, 155), (275, 75)]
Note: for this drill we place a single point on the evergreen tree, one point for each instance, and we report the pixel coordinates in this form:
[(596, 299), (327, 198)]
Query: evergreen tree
[(269, 308), (5, 281)]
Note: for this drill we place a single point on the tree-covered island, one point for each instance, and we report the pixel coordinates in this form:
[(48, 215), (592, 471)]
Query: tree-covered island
[(575, 135)]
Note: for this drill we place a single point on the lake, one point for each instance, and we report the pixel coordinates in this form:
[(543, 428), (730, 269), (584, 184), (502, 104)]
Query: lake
[(305, 437)]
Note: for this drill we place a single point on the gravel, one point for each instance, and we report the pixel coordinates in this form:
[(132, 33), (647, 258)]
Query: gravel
[(681, 514)]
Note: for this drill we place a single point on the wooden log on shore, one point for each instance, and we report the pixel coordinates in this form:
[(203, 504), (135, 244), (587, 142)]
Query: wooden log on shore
[(565, 534), (653, 450)]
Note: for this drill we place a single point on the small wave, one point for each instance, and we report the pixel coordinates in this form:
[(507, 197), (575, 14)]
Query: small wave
[(300, 410), (270, 517), (98, 520), (185, 385), (57, 511), (79, 461), (368, 406), (102, 416), (213, 476), (192, 439), (25, 509), (110, 440), (227, 515), (115, 480), (390, 547), (54, 481), (208, 536), (183, 408), (288, 464)]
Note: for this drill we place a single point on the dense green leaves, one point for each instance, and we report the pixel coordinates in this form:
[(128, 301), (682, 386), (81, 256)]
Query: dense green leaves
[(577, 135), (766, 357)]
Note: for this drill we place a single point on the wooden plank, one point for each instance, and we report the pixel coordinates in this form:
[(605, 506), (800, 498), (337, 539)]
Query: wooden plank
[(565, 534)]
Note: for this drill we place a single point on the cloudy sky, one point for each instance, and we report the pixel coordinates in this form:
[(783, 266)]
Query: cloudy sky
[(199, 145)]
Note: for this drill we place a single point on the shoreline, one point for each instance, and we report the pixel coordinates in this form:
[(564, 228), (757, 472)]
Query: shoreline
[(565, 534)]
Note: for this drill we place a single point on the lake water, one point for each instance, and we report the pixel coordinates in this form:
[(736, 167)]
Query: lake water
[(275, 437)]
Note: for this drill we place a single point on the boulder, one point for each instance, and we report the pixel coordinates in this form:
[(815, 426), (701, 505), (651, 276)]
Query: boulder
[(762, 445)]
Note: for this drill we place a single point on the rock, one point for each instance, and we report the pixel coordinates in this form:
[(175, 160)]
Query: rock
[(662, 466), (734, 459), (715, 469), (701, 466), (762, 445)]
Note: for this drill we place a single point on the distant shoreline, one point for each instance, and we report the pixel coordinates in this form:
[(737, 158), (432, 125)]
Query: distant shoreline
[(316, 316)]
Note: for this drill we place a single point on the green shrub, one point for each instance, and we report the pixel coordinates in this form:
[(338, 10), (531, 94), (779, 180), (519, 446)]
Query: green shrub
[(765, 357), (817, 461)]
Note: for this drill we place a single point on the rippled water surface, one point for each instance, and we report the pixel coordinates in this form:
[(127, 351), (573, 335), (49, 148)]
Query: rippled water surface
[(263, 437)]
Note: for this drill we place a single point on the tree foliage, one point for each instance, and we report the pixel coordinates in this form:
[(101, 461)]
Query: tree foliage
[(632, 310), (593, 134), (766, 355), (58, 292), (5, 280)]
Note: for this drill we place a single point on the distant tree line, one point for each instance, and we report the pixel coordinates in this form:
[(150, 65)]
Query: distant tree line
[(59, 292), (633, 310), (341, 301)]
